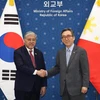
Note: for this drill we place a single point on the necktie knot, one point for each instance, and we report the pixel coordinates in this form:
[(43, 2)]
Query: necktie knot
[(68, 50), (30, 51)]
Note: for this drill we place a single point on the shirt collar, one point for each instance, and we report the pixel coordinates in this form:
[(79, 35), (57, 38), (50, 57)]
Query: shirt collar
[(29, 50), (71, 47)]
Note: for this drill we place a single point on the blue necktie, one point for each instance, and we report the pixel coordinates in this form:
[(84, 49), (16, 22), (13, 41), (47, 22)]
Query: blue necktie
[(67, 55)]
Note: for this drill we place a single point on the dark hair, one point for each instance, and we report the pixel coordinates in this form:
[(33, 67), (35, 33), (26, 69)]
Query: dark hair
[(68, 29)]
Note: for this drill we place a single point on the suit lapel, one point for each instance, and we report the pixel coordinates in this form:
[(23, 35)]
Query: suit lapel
[(27, 56), (72, 55), (63, 57), (35, 55)]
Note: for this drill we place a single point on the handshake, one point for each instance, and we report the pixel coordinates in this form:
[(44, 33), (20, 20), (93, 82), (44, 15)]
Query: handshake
[(41, 73)]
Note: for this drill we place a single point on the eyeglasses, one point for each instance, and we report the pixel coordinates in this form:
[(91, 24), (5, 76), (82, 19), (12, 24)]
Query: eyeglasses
[(67, 36)]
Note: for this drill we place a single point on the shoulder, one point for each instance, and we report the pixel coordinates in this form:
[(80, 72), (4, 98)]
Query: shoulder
[(37, 51), (19, 49), (81, 50), (62, 50)]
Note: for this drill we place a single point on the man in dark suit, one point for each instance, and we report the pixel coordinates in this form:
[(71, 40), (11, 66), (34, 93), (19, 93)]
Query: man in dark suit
[(72, 64), (28, 85)]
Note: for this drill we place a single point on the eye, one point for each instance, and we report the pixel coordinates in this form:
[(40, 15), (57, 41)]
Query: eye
[(67, 36)]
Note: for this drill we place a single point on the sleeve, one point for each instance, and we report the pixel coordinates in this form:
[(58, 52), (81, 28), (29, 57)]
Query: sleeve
[(56, 69), (84, 64)]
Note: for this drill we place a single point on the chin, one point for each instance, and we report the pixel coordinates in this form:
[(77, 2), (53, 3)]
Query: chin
[(31, 47)]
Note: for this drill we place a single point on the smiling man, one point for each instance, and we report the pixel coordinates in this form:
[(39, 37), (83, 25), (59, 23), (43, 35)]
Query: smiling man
[(72, 65), (28, 60)]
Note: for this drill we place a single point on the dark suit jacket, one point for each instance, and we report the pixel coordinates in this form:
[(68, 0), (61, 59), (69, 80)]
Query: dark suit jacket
[(76, 74), (25, 80)]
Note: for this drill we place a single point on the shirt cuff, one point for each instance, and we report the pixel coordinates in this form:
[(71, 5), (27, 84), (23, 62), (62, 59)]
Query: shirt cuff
[(35, 72), (46, 73)]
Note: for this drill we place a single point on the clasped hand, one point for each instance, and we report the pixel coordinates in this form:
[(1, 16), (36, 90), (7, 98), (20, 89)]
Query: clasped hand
[(41, 73)]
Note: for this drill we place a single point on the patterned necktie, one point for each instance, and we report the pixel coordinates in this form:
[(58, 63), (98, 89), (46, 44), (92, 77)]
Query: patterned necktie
[(68, 55), (32, 58)]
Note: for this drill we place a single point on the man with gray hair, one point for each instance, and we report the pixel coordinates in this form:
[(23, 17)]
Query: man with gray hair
[(28, 60)]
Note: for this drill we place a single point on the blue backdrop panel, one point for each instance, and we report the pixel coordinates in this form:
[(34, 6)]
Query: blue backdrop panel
[(47, 18)]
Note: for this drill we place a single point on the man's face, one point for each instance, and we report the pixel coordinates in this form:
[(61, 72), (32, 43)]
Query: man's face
[(30, 41), (67, 38)]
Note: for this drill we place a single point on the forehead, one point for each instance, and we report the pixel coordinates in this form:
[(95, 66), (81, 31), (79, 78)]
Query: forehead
[(67, 33), (30, 36)]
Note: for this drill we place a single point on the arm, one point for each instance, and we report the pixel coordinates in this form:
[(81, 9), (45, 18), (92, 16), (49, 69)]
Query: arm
[(56, 69), (84, 70), (44, 80), (53, 71)]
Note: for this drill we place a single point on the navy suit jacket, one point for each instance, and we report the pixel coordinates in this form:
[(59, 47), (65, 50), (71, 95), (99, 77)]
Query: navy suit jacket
[(25, 80)]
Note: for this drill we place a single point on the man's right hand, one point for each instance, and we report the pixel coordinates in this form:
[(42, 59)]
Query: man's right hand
[(42, 73)]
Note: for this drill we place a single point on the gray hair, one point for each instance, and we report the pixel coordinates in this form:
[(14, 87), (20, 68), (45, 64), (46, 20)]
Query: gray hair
[(29, 33)]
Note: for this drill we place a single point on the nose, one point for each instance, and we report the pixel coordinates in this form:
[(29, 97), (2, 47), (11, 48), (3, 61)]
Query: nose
[(66, 38)]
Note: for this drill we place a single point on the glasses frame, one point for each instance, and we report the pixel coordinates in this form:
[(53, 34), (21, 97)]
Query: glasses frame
[(67, 36)]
